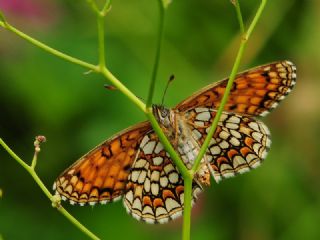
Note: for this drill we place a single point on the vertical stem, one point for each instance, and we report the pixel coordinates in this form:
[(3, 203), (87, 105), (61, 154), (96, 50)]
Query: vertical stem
[(186, 228), (256, 18), (239, 15), (158, 50), (220, 109), (101, 49), (234, 71)]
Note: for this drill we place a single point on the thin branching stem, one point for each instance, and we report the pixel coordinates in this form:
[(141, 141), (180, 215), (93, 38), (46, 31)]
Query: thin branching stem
[(49, 49), (158, 50), (186, 226), (234, 71), (239, 15), (36, 178), (101, 49)]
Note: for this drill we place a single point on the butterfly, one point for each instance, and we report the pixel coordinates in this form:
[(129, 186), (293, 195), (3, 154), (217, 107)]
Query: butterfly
[(133, 164)]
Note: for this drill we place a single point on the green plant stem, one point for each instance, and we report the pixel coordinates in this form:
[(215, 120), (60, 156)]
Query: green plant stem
[(104, 71), (36, 178), (34, 161), (186, 227), (239, 15), (100, 21), (255, 19), (49, 49), (158, 50), (234, 71)]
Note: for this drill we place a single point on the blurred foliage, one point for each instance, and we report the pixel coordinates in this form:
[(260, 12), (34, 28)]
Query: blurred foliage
[(40, 94)]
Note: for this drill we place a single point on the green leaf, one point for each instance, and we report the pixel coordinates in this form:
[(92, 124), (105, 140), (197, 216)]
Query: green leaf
[(166, 3)]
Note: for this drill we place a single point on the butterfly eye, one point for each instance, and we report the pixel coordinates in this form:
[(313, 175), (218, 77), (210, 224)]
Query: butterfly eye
[(164, 112)]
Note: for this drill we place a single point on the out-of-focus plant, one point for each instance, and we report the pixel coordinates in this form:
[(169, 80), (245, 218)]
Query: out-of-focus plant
[(101, 68)]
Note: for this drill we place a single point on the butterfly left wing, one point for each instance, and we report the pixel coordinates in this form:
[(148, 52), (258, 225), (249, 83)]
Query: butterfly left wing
[(101, 174), (239, 144), (255, 92), (155, 191)]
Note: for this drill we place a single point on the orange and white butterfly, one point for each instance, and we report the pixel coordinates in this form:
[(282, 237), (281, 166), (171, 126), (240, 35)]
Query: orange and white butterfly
[(134, 165)]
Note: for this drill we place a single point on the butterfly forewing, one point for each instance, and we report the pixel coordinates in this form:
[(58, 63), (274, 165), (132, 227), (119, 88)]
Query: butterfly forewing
[(101, 174), (154, 191), (239, 144), (254, 92)]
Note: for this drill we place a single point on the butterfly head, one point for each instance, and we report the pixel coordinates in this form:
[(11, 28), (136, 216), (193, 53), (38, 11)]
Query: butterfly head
[(164, 116)]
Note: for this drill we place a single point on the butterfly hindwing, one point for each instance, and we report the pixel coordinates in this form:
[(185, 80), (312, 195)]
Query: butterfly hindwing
[(239, 144), (155, 190)]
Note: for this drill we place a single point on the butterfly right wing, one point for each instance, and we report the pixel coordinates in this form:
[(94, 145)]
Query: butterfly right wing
[(254, 92), (101, 174), (240, 143)]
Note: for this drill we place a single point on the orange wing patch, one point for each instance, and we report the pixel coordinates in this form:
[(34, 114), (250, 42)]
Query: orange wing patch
[(254, 92), (101, 174)]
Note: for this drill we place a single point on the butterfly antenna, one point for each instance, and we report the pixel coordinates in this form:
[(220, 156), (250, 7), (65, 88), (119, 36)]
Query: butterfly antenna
[(167, 86)]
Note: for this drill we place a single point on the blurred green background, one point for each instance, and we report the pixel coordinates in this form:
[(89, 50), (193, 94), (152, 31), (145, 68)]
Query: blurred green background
[(40, 94)]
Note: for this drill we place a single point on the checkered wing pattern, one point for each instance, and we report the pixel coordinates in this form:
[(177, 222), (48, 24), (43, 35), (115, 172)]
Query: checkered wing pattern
[(101, 174), (154, 191), (239, 144), (255, 92)]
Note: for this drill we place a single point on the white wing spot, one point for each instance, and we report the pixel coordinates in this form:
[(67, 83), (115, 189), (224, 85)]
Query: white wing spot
[(173, 177), (148, 148), (161, 211), (146, 185), (233, 119), (224, 135), (235, 133), (196, 134), (238, 161), (158, 148), (232, 125), (204, 116), (164, 181), (224, 144), (157, 161), (144, 141), (137, 204), (171, 204), (155, 176), (215, 150), (234, 141), (201, 109), (142, 177), (257, 136), (254, 126), (155, 189)]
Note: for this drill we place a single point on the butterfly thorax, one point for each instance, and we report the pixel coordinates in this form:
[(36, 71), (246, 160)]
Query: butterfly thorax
[(175, 126)]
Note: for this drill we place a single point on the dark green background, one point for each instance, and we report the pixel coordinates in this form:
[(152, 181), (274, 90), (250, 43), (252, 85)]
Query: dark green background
[(40, 94)]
